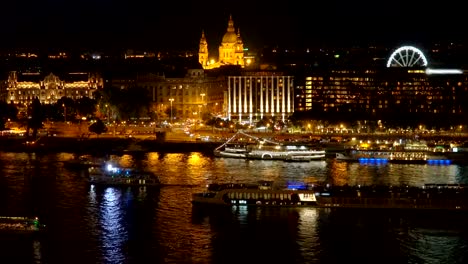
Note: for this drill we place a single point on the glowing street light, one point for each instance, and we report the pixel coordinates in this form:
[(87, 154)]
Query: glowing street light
[(199, 111), (171, 100), (203, 99), (107, 113), (65, 112)]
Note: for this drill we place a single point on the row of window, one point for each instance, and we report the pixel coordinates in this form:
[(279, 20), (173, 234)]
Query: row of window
[(52, 92)]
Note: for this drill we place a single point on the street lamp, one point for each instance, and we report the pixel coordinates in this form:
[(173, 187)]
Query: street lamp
[(203, 99), (171, 100), (65, 112), (107, 113), (199, 111)]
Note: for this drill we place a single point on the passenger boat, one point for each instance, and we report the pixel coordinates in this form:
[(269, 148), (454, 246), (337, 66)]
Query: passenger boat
[(286, 152), (20, 225), (430, 197), (261, 194), (232, 150), (393, 156), (109, 174), (258, 148)]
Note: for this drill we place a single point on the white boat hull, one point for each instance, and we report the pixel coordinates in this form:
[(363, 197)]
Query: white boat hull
[(268, 150)]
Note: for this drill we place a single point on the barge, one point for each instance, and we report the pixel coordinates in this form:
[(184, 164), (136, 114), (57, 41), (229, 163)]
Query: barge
[(453, 197)]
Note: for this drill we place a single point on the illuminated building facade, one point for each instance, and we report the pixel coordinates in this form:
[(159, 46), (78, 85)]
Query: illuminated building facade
[(190, 95), (255, 95), (24, 87), (407, 86), (231, 50), (384, 92)]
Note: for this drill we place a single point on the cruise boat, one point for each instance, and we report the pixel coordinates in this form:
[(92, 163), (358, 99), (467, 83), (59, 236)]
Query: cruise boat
[(393, 156), (232, 150), (20, 225), (261, 194), (251, 147), (109, 174), (430, 197)]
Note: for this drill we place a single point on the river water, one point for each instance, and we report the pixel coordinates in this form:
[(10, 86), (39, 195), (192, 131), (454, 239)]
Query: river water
[(87, 224)]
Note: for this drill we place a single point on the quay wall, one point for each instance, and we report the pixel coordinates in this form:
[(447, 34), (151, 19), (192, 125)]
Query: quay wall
[(103, 145)]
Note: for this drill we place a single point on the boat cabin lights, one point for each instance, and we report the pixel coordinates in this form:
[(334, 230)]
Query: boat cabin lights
[(439, 161), (373, 160), (296, 186), (111, 168)]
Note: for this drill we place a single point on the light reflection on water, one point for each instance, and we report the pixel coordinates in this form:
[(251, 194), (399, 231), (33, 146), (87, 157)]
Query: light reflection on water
[(112, 223), (128, 225)]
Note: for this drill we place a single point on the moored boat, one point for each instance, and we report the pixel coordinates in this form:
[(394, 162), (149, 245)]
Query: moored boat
[(261, 194), (286, 152), (108, 174), (20, 225), (430, 197), (251, 147), (232, 150), (393, 156)]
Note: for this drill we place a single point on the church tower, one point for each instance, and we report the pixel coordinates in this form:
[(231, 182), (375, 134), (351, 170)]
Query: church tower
[(203, 51), (239, 50), (231, 50)]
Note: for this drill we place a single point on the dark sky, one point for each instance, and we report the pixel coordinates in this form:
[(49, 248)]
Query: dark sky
[(178, 24)]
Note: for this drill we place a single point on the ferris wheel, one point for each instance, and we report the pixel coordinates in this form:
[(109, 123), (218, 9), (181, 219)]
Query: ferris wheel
[(407, 56)]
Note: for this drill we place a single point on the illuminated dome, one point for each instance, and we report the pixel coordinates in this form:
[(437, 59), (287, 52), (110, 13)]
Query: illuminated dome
[(230, 36), (231, 50)]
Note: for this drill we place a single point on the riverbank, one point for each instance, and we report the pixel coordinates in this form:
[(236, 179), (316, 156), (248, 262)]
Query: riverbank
[(102, 145)]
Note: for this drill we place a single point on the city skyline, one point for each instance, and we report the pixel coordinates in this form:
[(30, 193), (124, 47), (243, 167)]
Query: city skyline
[(173, 25)]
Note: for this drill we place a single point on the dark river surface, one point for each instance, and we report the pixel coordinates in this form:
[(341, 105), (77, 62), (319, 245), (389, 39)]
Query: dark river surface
[(88, 224)]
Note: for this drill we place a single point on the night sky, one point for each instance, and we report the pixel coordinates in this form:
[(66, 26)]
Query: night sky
[(178, 24)]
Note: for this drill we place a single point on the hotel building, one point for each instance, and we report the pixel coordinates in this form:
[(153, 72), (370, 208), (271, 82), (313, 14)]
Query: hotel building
[(384, 92), (255, 95)]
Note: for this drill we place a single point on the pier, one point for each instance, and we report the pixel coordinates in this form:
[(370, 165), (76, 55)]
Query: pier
[(451, 197)]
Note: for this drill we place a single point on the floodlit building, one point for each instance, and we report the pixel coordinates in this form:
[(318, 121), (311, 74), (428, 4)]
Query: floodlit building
[(231, 50), (406, 86), (189, 96), (258, 94), (23, 87)]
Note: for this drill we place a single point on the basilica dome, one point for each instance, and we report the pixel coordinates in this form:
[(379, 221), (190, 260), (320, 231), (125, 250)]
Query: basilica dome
[(230, 37), (231, 50)]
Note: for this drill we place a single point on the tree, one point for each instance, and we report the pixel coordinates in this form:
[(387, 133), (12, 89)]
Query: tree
[(35, 118), (134, 103), (211, 122), (97, 127), (6, 112), (85, 106)]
